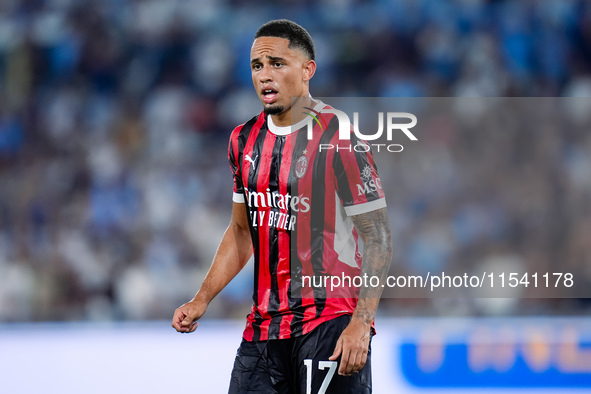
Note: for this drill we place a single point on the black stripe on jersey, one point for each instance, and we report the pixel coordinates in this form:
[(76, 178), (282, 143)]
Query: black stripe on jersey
[(317, 214), (256, 326), (344, 187), (274, 301), (295, 285)]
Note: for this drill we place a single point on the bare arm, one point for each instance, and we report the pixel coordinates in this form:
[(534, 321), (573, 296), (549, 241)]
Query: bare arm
[(353, 345), (232, 255), (374, 229)]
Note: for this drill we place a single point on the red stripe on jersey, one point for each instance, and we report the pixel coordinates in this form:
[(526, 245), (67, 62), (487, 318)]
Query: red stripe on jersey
[(248, 333), (244, 165), (265, 326)]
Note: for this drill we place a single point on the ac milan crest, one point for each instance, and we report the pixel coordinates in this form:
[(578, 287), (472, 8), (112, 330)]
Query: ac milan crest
[(301, 166)]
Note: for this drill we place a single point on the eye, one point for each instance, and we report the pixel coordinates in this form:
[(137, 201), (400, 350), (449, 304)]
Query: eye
[(278, 64), (256, 66)]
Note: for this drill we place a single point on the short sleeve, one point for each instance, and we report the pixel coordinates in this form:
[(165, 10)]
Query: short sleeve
[(234, 161), (359, 186)]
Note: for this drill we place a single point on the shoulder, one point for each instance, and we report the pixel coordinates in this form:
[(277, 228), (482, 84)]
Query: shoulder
[(254, 124)]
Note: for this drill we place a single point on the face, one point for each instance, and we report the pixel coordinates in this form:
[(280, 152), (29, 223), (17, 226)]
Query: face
[(279, 73)]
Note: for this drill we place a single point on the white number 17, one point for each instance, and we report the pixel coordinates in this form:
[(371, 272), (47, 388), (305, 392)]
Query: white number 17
[(331, 365)]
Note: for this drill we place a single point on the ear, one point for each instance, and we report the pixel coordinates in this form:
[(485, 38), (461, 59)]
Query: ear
[(309, 70)]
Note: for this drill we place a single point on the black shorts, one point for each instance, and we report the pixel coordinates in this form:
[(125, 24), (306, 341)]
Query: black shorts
[(297, 365)]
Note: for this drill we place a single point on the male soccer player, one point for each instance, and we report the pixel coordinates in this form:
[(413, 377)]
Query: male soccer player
[(301, 209)]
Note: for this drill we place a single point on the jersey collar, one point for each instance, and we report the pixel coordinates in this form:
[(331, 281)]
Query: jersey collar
[(286, 130)]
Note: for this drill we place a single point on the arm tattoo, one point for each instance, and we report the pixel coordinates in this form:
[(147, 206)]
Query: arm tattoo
[(374, 229)]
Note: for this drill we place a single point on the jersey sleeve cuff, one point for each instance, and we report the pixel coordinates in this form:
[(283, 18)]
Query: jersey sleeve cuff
[(365, 207), (238, 198)]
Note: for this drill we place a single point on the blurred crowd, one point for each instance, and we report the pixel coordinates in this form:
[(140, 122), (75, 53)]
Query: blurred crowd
[(495, 186), (115, 115)]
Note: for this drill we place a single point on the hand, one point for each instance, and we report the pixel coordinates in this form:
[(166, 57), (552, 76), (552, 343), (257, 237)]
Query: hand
[(186, 316), (353, 347)]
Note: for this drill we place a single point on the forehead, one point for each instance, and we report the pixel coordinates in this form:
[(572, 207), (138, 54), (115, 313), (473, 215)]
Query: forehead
[(272, 46)]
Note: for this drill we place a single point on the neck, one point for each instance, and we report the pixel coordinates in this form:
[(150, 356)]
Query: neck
[(295, 113), (283, 119)]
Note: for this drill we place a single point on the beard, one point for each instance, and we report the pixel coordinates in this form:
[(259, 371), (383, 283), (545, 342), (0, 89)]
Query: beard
[(274, 110)]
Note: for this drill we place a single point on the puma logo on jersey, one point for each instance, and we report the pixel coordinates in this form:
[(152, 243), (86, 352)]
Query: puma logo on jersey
[(252, 161)]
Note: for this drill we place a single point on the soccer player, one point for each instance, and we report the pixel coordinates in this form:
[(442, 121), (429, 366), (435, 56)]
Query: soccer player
[(301, 210)]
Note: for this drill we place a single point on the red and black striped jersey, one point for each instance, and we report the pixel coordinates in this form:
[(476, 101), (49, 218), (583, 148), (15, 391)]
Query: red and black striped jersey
[(298, 199)]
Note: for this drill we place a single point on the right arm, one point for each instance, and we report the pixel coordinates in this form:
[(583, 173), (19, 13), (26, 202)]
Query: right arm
[(231, 256)]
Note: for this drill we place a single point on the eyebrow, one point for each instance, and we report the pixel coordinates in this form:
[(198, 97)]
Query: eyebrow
[(272, 58)]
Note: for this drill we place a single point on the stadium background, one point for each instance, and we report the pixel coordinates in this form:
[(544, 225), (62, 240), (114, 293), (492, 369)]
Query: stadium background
[(115, 187)]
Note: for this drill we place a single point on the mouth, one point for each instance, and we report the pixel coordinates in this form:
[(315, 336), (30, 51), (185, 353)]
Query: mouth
[(269, 95)]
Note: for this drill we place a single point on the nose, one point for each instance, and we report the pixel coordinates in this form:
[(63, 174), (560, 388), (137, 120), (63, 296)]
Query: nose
[(266, 75)]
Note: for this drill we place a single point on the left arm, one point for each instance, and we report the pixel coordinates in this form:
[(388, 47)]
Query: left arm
[(353, 344)]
